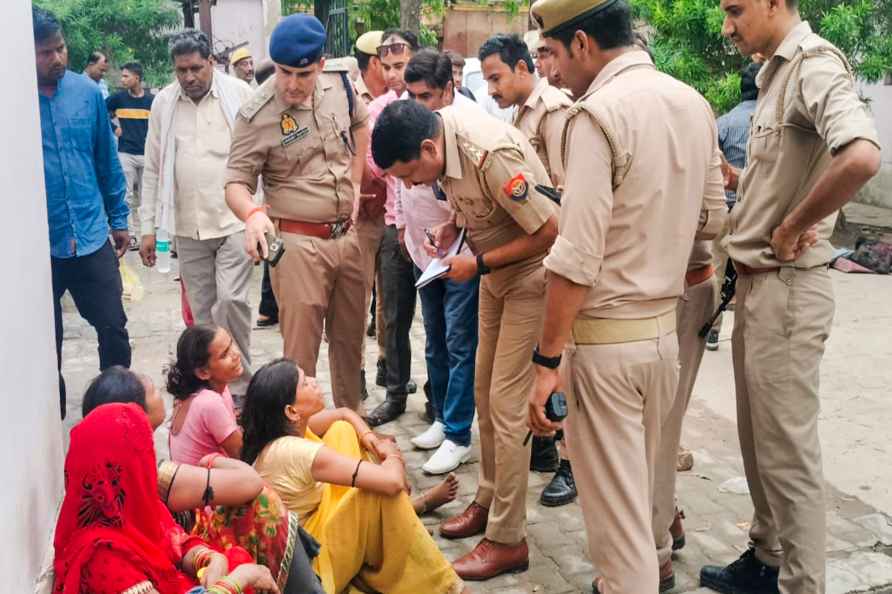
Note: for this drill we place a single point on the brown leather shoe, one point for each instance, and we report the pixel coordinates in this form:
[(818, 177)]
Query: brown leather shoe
[(667, 576), (489, 559), (470, 522), (677, 531)]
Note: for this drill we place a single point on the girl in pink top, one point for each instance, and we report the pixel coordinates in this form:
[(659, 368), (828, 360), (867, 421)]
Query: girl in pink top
[(204, 416)]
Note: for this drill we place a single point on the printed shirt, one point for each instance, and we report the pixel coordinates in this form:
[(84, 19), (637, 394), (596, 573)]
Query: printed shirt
[(808, 109), (85, 185), (133, 116), (629, 215)]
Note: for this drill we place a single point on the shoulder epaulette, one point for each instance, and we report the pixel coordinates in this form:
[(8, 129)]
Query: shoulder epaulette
[(474, 152), (261, 97), (555, 99)]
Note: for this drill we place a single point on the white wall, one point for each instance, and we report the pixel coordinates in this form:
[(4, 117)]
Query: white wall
[(237, 21), (880, 96), (30, 431)]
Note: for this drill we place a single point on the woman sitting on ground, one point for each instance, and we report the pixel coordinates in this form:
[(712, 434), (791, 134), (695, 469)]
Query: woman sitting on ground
[(349, 488), (114, 535), (243, 512), (204, 419)]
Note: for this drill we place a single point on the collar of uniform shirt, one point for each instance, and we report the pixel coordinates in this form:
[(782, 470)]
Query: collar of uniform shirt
[(616, 66), (453, 162), (785, 51), (540, 87)]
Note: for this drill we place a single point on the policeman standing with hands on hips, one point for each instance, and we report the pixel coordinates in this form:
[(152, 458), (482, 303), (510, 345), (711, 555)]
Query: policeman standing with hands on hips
[(304, 132), (642, 180)]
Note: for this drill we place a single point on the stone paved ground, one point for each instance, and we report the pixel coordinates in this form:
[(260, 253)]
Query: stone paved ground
[(860, 536)]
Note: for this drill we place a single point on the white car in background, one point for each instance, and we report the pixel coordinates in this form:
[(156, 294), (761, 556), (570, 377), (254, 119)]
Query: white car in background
[(472, 78)]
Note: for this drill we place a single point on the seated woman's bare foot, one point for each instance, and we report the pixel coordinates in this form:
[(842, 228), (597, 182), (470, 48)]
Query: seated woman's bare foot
[(437, 496)]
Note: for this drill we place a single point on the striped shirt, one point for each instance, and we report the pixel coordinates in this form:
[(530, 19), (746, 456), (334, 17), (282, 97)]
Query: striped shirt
[(734, 133)]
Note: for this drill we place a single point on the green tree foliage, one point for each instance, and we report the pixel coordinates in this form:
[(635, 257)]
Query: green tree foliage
[(687, 42), (125, 30)]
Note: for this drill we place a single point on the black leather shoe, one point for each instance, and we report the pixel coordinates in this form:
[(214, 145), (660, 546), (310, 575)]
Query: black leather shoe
[(381, 377), (562, 488), (747, 575), (411, 387), (387, 411), (544, 457)]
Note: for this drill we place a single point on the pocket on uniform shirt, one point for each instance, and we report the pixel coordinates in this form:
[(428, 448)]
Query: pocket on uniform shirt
[(764, 143)]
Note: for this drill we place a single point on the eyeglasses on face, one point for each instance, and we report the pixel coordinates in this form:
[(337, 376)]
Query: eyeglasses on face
[(397, 49)]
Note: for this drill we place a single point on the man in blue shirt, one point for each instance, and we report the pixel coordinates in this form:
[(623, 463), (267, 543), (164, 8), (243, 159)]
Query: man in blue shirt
[(734, 133), (85, 189)]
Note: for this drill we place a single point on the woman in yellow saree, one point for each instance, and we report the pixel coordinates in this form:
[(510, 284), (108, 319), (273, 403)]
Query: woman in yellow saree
[(347, 485)]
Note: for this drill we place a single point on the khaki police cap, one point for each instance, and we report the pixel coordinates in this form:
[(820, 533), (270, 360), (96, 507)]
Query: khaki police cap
[(239, 55), (553, 16), (368, 42)]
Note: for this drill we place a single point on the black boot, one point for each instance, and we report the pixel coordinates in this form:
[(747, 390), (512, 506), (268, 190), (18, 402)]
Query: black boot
[(381, 376), (562, 488), (544, 456), (747, 575), (429, 414), (363, 389), (387, 411)]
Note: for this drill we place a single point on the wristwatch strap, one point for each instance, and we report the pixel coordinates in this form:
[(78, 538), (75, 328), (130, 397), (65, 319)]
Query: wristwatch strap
[(481, 267), (543, 361)]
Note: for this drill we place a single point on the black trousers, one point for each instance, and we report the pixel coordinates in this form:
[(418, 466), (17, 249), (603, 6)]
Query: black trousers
[(269, 307), (95, 284), (398, 292)]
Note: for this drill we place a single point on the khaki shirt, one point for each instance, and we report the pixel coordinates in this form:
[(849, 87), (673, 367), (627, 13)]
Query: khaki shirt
[(362, 91), (304, 153), (807, 110), (643, 176), (489, 178), (542, 118)]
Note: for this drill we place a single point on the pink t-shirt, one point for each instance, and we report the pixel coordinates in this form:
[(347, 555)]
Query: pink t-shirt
[(209, 421)]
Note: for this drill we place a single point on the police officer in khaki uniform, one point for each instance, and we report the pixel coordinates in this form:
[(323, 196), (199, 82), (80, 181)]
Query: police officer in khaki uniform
[(541, 114), (642, 180), (812, 146), (488, 171), (305, 133)]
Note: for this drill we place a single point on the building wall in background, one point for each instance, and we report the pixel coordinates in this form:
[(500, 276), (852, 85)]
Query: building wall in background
[(238, 21), (879, 191), (31, 436), (467, 26)]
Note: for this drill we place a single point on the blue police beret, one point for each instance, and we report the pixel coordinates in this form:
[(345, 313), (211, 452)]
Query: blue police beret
[(297, 41)]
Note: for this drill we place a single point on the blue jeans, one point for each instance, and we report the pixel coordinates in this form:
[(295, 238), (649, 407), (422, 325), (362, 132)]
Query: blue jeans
[(450, 321)]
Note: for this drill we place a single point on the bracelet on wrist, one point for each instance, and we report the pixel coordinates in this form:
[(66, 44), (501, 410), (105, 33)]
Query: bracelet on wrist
[(543, 361), (481, 267), (254, 211)]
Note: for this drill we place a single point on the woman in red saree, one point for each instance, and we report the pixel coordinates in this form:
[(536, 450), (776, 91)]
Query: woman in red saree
[(114, 536)]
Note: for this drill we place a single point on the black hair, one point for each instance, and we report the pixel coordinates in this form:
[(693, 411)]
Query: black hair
[(263, 417), (457, 58), (193, 353), (430, 66), (400, 130), (133, 68), (115, 384), (95, 57), (45, 24), (362, 58), (748, 89), (510, 48), (410, 37), (610, 28), (189, 42)]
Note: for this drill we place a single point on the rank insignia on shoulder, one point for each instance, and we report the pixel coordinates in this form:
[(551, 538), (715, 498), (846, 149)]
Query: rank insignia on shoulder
[(288, 124), (516, 188)]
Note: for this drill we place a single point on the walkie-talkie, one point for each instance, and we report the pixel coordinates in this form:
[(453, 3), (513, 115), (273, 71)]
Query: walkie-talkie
[(555, 411)]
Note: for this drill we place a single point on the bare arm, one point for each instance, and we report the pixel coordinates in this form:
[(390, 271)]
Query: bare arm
[(387, 478), (232, 445), (361, 140), (322, 420), (524, 246), (257, 224), (233, 482)]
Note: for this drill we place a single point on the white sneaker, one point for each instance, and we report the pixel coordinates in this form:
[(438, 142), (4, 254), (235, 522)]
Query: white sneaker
[(432, 437), (447, 458)]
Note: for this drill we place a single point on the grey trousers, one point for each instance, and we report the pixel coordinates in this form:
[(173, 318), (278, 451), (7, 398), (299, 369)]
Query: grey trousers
[(217, 273), (133, 168)]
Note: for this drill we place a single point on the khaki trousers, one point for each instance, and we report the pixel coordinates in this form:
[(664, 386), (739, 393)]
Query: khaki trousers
[(694, 309), (781, 323), (619, 397), (319, 283), (217, 274), (370, 234), (510, 323)]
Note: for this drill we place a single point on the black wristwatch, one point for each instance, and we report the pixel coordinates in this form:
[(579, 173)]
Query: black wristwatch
[(543, 361), (481, 267)]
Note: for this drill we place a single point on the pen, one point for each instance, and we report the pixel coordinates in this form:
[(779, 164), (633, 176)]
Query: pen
[(430, 237)]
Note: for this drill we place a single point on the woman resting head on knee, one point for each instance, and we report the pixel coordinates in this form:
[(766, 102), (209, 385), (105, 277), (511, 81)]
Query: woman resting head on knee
[(347, 485), (204, 420), (114, 534)]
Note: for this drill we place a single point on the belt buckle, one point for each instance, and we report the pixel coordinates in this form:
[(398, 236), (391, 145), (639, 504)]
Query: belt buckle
[(339, 229)]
